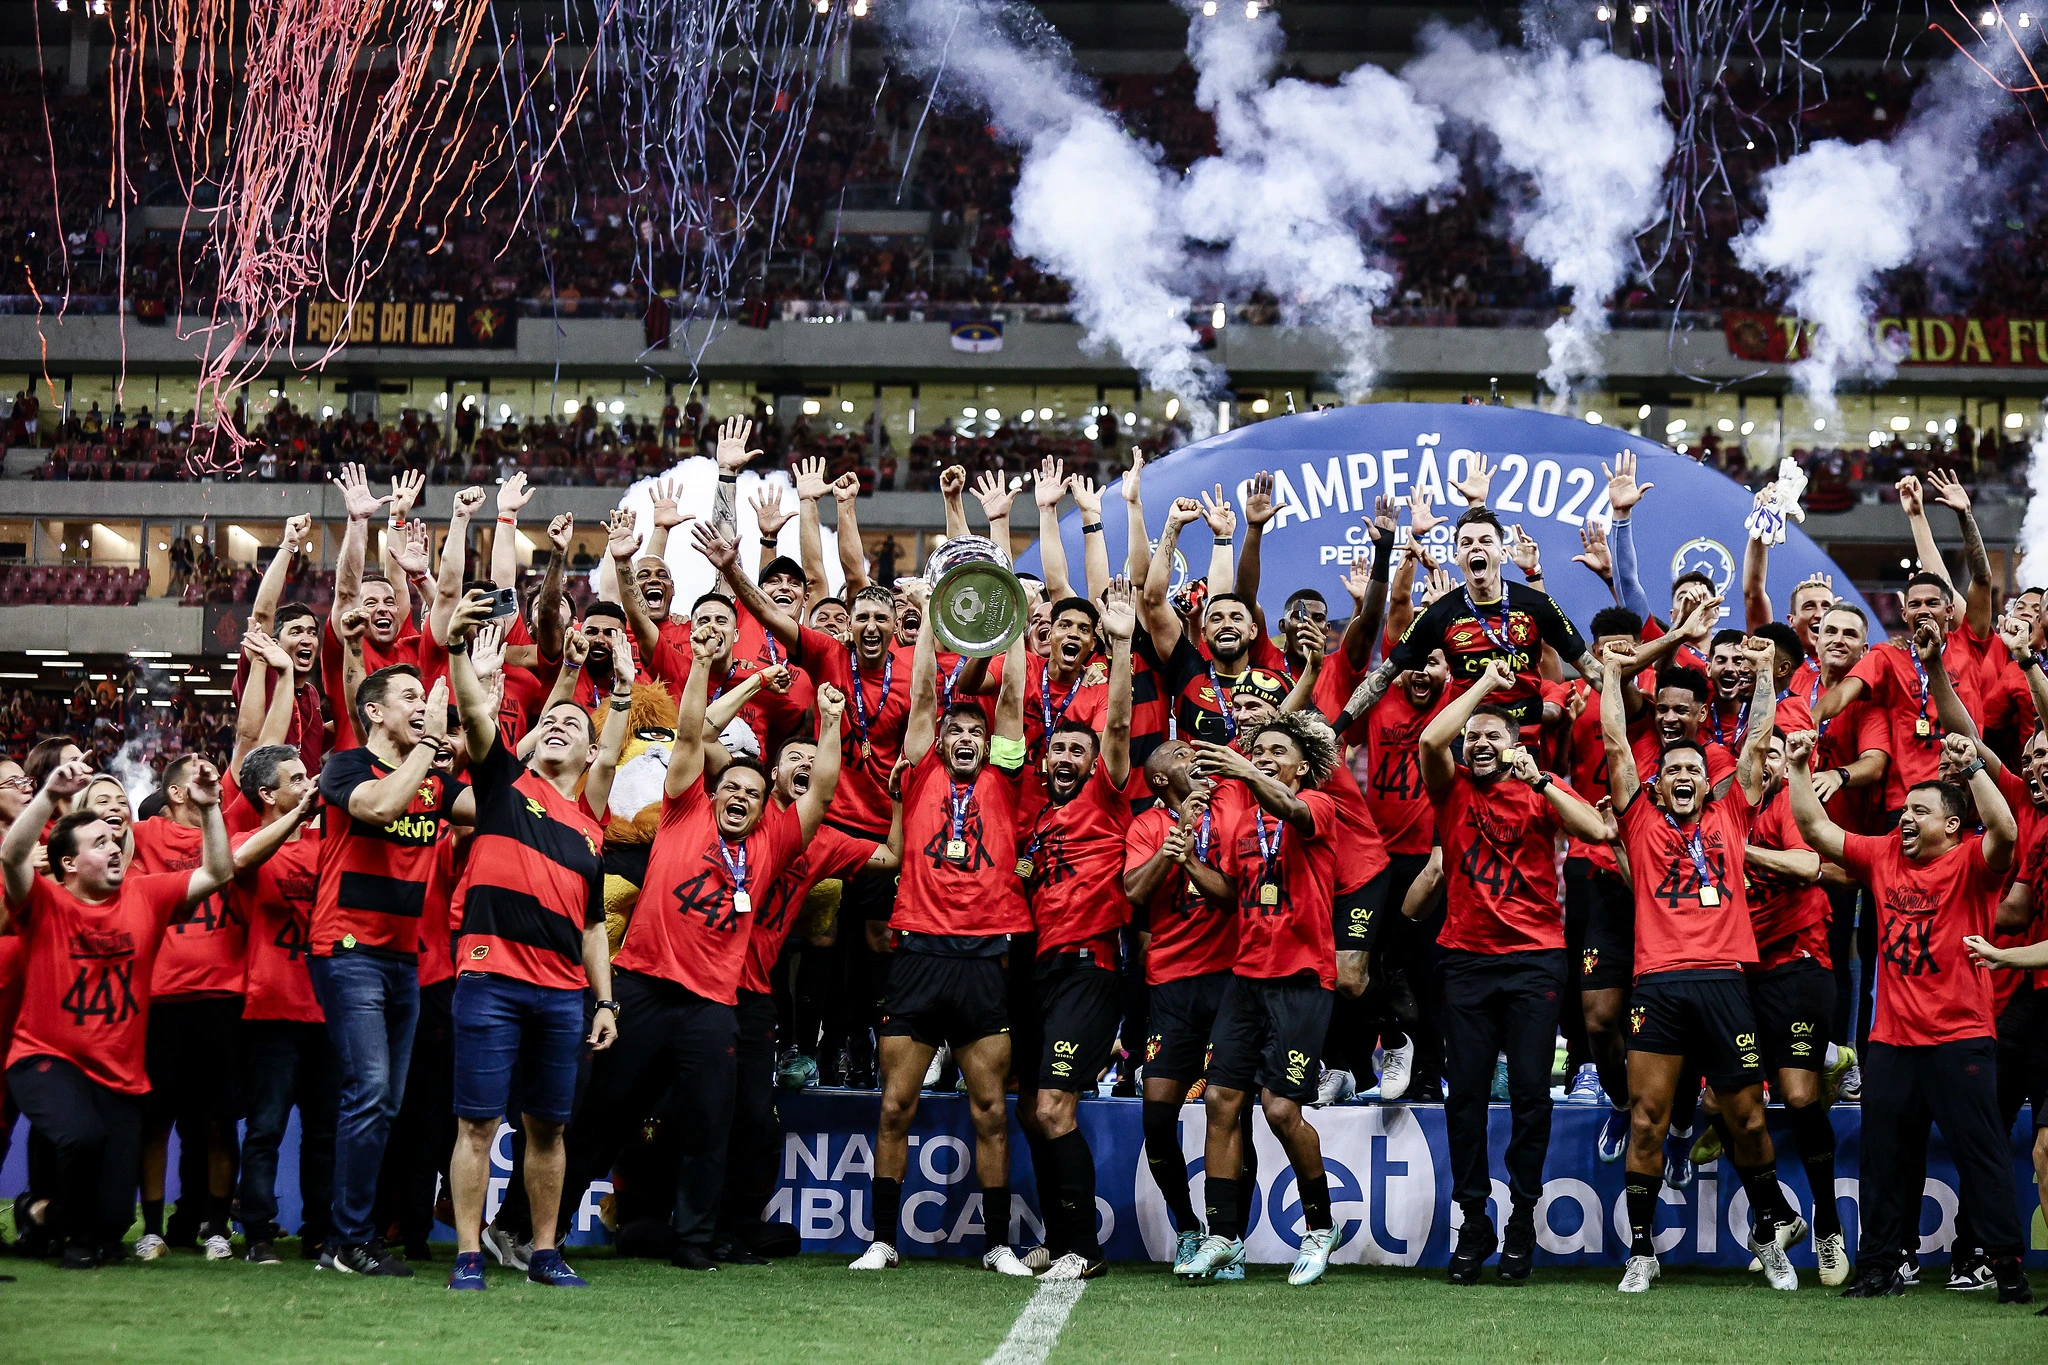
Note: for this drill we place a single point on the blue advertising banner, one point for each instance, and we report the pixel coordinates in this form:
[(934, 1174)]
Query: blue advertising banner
[(1388, 1165), (1329, 466)]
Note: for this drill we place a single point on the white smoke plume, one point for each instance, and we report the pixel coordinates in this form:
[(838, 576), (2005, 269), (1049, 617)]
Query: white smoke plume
[(1093, 205), (697, 479), (134, 774), (1303, 172), (1587, 128), (1838, 215), (2033, 542)]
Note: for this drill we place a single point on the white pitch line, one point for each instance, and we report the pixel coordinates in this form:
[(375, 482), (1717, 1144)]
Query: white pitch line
[(1037, 1328)]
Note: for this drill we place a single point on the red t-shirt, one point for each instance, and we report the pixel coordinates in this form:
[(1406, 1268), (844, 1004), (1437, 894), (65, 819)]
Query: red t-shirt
[(524, 692), (1861, 727), (13, 982), (1928, 991), (1726, 729), (872, 732), (1649, 754), (1191, 934), (1500, 867), (201, 955), (86, 997), (1293, 933), (772, 716), (275, 900), (533, 879), (437, 938), (1394, 793), (1675, 930), (974, 893), (308, 730), (1355, 844), (1891, 674), (1076, 851), (1336, 680), (830, 853), (1782, 911), (404, 650), (688, 927)]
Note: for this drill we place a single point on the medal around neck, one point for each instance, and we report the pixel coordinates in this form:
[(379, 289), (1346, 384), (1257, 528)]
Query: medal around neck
[(978, 606)]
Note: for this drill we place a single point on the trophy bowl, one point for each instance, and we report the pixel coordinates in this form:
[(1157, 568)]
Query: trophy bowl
[(978, 607)]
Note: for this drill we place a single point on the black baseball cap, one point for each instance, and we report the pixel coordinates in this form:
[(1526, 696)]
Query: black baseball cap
[(781, 565)]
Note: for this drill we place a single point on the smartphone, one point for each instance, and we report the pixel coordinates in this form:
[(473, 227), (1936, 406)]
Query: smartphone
[(504, 602)]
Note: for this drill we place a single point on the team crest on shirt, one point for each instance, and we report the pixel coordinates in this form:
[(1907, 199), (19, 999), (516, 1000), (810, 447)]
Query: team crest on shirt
[(536, 809), (1095, 675), (1636, 1015), (480, 952), (1588, 960)]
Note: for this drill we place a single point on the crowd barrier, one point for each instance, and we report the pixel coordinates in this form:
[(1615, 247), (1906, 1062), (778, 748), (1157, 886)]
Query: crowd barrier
[(1388, 1166)]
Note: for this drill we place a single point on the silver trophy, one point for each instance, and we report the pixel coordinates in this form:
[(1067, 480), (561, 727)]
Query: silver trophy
[(978, 606)]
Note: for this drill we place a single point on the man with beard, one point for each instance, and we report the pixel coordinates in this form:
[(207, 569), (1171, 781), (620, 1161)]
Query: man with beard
[(296, 628), (1279, 864), (1199, 679), (91, 931), (678, 973), (1735, 686), (386, 805), (830, 854), (1934, 1043), (390, 637), (1504, 965), (873, 673), (958, 908), (1693, 939), (1072, 870), (1488, 619)]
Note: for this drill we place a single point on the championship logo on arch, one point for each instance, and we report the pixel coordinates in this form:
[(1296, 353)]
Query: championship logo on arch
[(1707, 556)]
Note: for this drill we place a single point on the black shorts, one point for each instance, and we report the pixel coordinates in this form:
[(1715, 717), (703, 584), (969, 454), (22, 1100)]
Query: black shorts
[(1079, 1009), (1607, 956), (193, 1055), (1359, 916), (944, 1000), (1703, 1016), (1795, 1007), (1270, 1034), (1183, 1014)]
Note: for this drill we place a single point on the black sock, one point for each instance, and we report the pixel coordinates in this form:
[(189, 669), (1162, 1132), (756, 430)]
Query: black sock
[(1045, 1165), (1766, 1201), (1223, 1208), (1077, 1193), (1814, 1131), (995, 1217), (153, 1216), (1161, 1120), (1727, 1134), (1248, 1153), (1642, 1214), (1315, 1202), (1685, 1108), (888, 1204)]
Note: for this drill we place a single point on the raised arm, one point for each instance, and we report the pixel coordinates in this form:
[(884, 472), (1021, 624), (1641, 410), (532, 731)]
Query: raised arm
[(725, 557), (1094, 547), (734, 455), (1119, 620), (1949, 491), (952, 483), (1573, 815), (1756, 563), (454, 562), (1763, 714), (1822, 834), (1138, 541), (1048, 485), (472, 697), (384, 799), (1220, 761), (1216, 510), (270, 590), (686, 756), (1010, 699), (216, 857), (1955, 718), (1258, 510), (2001, 830), (264, 714), (1368, 587), (349, 627), (995, 495), (853, 559), (2018, 637), (261, 846), (1439, 770), (811, 488), (622, 543), (611, 741), (18, 849), (1155, 612), (575, 649), (547, 608), (769, 519), (1623, 493), (361, 505), (817, 798), (402, 530), (1622, 781), (921, 730), (513, 494)]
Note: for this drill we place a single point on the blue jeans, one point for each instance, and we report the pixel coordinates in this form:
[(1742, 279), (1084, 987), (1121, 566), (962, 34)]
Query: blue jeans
[(504, 1025), (288, 1064), (372, 1004)]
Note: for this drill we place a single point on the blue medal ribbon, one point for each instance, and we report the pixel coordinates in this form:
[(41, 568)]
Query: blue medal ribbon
[(860, 698), (1222, 703), (1694, 848)]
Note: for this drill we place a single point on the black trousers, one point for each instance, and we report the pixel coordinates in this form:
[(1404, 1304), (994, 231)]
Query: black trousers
[(1421, 958), (423, 1134), (95, 1137), (1494, 1003), (1957, 1083), (671, 1041), (755, 1142), (1841, 946)]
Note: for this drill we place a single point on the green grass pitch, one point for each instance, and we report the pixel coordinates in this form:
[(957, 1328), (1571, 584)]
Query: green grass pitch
[(812, 1311)]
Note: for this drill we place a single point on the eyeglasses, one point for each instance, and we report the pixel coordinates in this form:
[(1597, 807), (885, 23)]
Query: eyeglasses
[(26, 784)]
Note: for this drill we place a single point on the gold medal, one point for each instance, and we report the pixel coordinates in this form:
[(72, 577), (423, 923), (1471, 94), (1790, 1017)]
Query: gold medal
[(742, 903), (1922, 728), (1193, 890), (1710, 896), (867, 752), (1023, 869), (956, 850), (1269, 893)]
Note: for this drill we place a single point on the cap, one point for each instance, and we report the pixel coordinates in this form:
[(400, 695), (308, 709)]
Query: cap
[(783, 565)]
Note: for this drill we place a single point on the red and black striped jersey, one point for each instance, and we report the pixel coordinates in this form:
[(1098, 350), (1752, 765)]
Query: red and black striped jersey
[(534, 877), (373, 879)]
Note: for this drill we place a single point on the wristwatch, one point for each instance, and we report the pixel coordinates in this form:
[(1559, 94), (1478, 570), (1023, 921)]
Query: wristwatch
[(611, 1005), (1966, 774), (1542, 781)]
